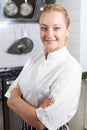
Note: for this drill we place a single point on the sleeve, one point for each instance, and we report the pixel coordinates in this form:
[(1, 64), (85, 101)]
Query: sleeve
[(65, 92), (15, 82), (26, 67)]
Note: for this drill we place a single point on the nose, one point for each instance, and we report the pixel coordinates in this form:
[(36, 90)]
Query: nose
[(49, 33)]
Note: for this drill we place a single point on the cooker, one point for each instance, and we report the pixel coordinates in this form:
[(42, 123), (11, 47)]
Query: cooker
[(8, 119)]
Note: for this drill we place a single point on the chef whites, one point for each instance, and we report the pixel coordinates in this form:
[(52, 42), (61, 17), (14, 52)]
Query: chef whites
[(42, 78)]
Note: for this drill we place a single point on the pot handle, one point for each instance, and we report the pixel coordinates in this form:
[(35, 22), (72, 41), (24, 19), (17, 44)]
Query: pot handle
[(43, 5), (26, 1)]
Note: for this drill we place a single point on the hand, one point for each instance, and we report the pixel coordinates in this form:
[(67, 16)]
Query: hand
[(47, 102)]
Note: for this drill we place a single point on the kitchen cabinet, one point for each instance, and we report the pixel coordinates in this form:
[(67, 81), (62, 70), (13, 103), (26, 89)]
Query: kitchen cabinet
[(79, 121)]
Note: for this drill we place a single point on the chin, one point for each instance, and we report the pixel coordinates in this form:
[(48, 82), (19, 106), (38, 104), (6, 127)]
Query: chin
[(51, 50)]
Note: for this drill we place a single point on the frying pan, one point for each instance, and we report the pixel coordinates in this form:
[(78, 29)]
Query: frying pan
[(10, 8), (21, 46), (26, 8)]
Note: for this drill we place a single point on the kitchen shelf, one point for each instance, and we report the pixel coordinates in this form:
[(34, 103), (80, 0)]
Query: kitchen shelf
[(33, 17)]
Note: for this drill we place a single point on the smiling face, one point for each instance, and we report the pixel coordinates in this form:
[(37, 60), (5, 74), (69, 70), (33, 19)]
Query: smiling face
[(53, 30)]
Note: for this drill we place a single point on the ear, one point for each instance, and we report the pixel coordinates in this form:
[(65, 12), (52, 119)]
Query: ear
[(68, 30)]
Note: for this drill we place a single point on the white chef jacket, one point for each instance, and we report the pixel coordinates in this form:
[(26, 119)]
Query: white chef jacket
[(59, 77)]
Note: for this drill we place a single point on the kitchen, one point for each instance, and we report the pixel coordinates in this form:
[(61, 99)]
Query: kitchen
[(77, 46)]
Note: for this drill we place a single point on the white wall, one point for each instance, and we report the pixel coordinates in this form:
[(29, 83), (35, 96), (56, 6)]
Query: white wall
[(83, 45), (73, 8), (12, 32), (77, 39)]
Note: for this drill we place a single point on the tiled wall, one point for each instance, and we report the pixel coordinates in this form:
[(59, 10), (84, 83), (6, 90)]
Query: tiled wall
[(12, 32), (73, 8), (83, 46), (77, 39)]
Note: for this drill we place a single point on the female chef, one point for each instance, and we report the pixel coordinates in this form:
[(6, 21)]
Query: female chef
[(46, 93)]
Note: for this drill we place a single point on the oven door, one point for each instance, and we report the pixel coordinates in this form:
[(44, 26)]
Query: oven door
[(11, 120), (1, 109), (1, 116)]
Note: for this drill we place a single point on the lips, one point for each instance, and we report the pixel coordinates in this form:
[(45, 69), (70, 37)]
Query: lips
[(50, 41)]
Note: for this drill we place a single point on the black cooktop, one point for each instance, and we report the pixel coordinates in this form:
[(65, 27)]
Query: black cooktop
[(10, 72)]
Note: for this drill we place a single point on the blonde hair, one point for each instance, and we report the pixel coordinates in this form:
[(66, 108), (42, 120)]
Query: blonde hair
[(58, 8)]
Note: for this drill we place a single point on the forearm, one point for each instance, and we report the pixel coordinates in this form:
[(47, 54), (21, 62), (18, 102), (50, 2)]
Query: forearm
[(26, 112)]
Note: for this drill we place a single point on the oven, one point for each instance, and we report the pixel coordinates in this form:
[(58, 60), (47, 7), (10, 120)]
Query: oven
[(1, 108), (8, 119)]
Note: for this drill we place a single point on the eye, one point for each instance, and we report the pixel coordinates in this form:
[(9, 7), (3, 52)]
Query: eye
[(56, 28), (43, 28)]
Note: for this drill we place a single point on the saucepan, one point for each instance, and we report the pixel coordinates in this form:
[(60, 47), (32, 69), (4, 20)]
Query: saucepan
[(10, 8), (26, 8)]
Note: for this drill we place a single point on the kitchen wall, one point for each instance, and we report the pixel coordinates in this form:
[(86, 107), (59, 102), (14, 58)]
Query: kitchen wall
[(83, 35), (73, 8), (77, 39), (12, 32)]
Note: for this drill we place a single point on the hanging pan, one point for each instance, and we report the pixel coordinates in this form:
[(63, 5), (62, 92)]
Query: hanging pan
[(26, 8), (10, 8), (21, 46)]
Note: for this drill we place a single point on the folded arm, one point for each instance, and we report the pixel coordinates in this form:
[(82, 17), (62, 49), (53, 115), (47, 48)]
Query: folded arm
[(26, 111)]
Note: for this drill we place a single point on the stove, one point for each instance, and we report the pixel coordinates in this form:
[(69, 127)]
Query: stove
[(10, 71), (10, 119)]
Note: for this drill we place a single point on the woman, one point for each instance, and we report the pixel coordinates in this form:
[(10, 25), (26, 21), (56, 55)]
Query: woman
[(47, 91)]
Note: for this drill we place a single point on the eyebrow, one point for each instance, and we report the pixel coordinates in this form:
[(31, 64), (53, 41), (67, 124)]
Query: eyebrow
[(53, 25), (43, 24)]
